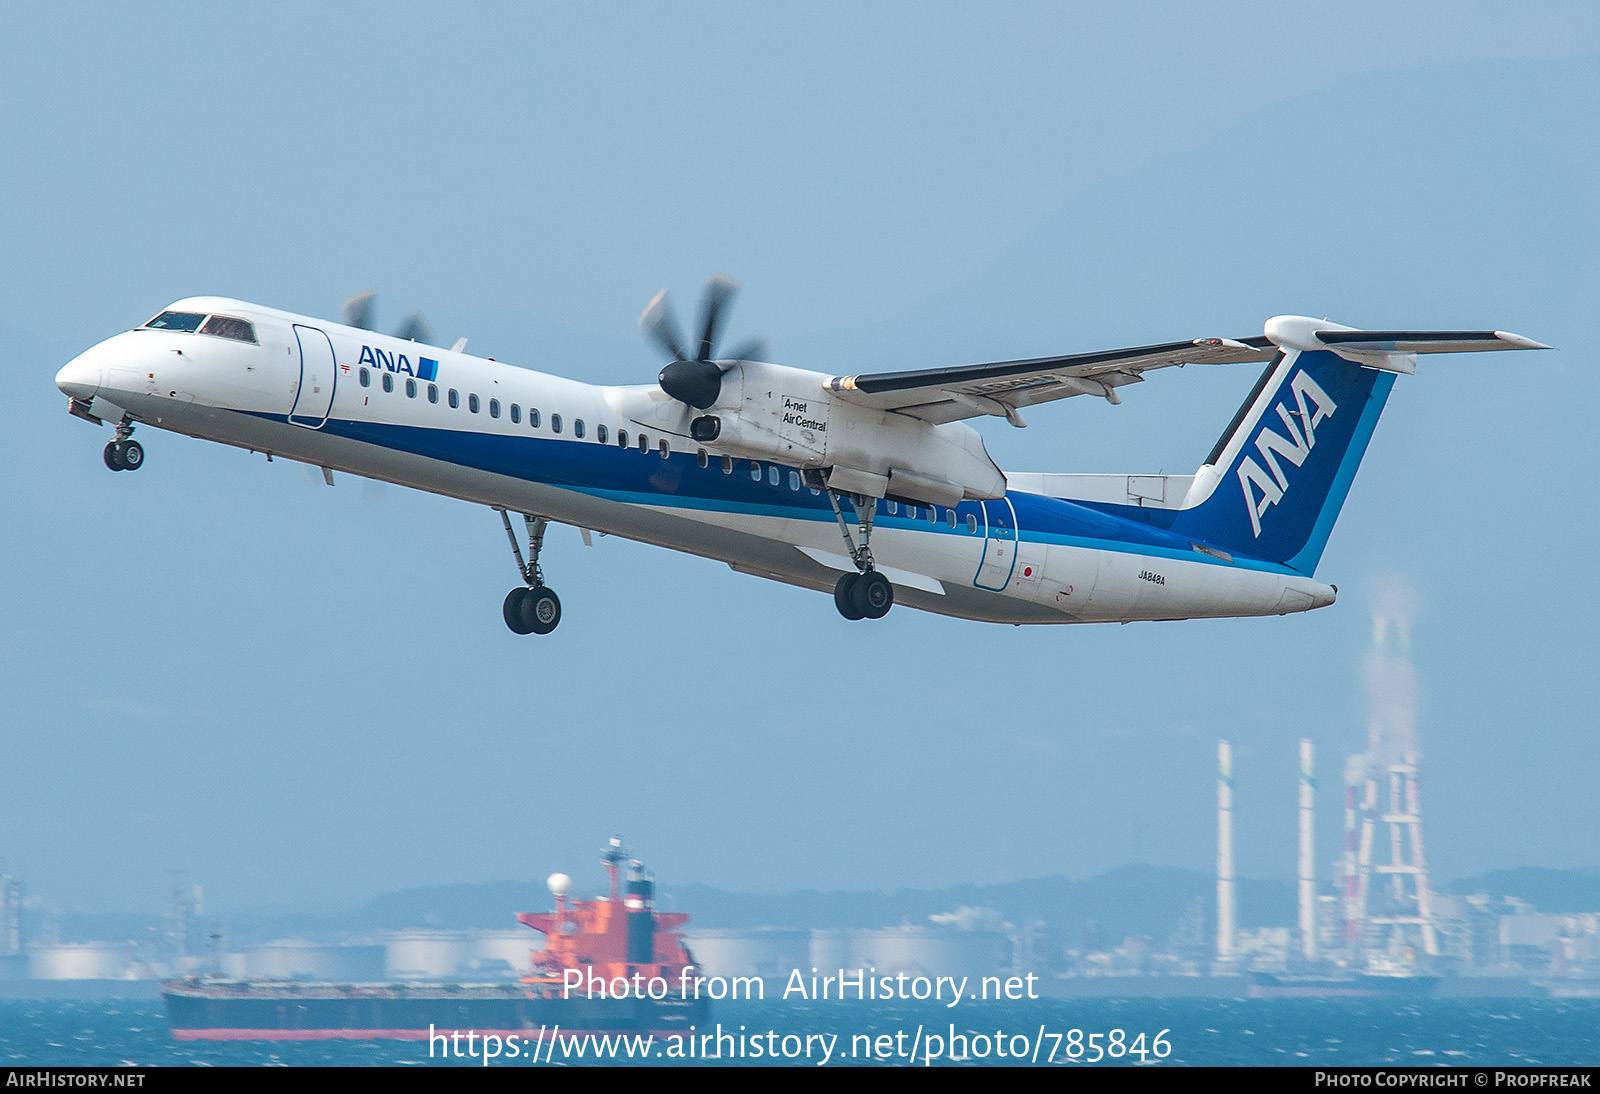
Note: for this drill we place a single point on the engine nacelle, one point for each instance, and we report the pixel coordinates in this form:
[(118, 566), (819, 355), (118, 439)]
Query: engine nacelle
[(786, 415)]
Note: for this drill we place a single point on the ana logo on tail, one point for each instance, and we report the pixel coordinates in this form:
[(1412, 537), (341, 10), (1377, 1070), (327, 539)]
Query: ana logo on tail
[(1312, 405)]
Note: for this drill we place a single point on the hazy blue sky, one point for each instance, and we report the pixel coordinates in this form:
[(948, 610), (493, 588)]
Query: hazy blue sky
[(304, 696)]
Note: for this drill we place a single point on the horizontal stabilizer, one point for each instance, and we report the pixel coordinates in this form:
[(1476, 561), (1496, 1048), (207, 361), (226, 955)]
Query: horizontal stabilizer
[(1302, 333), (1425, 341), (1388, 350)]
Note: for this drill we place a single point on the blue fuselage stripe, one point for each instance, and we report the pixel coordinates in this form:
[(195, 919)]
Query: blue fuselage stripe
[(628, 476)]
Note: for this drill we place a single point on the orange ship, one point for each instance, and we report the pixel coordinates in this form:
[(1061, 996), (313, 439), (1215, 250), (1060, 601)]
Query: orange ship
[(623, 939), (608, 965)]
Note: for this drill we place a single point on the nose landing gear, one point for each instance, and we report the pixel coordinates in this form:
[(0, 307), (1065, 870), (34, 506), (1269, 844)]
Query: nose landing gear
[(124, 454), (534, 609)]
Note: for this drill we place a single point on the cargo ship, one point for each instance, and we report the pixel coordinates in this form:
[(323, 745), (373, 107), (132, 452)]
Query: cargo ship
[(608, 965), (1360, 985)]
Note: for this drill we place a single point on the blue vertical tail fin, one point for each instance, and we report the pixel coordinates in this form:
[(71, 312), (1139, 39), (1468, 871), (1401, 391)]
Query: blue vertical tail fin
[(1276, 480)]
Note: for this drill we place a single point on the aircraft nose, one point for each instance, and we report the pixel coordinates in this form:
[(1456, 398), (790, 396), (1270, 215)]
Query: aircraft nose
[(81, 377)]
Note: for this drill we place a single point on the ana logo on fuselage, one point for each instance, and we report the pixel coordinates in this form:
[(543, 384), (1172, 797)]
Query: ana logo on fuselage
[(426, 368), (1312, 405)]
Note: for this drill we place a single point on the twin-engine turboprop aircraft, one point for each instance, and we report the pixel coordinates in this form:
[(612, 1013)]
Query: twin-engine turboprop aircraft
[(872, 486)]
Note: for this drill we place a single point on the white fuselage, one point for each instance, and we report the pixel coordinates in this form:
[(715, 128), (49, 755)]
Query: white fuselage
[(350, 400)]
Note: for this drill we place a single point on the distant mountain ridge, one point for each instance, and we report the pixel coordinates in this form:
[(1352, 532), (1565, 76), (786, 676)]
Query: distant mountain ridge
[(1562, 892), (1134, 899)]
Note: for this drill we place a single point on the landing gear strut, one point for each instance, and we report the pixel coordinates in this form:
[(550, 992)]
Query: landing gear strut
[(866, 594), (534, 609), (124, 454)]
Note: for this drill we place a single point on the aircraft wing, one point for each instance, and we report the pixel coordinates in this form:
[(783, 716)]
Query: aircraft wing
[(940, 395)]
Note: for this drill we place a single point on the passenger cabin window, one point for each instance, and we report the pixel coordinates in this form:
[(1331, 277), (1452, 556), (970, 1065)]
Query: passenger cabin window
[(755, 471), (516, 414), (644, 443), (577, 427), (472, 403), (794, 480), (388, 381), (411, 388), (666, 449), (772, 474), (226, 326), (703, 459), (533, 417), (176, 320), (494, 408), (433, 393), (365, 377), (972, 524), (950, 517), (622, 438), (601, 435), (455, 400), (555, 423), (727, 465)]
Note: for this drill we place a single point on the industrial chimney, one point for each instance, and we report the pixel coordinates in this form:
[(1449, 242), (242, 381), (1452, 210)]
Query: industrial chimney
[(1308, 881), (1225, 915)]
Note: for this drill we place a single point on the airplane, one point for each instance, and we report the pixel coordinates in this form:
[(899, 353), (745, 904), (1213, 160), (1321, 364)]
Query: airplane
[(871, 486)]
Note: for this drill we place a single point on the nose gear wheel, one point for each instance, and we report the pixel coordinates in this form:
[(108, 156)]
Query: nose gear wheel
[(124, 453)]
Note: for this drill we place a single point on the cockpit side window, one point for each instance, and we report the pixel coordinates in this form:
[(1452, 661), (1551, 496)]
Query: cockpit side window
[(176, 320), (226, 326)]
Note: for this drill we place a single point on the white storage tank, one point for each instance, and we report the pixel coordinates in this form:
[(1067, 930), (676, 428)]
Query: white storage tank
[(297, 959), (427, 955), (81, 961), (768, 952), (494, 955)]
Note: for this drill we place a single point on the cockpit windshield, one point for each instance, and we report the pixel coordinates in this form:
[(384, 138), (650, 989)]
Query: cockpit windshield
[(227, 326), (176, 320), (223, 326)]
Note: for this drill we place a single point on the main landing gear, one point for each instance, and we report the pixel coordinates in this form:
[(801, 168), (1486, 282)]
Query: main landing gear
[(866, 594), (124, 454), (534, 609)]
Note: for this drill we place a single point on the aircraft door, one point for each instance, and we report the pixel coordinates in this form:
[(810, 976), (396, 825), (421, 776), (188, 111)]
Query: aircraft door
[(319, 374), (999, 546)]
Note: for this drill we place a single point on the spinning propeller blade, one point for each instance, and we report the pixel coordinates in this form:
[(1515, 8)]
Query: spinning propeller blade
[(696, 381)]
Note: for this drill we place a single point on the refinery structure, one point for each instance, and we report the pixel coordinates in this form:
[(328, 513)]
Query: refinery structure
[(1378, 926), (1382, 922)]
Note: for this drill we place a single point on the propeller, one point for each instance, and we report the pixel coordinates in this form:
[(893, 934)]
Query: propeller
[(416, 328), (361, 311), (697, 381)]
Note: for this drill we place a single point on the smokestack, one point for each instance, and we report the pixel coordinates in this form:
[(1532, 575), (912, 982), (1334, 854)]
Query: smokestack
[(1308, 883), (1352, 879), (1225, 920)]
